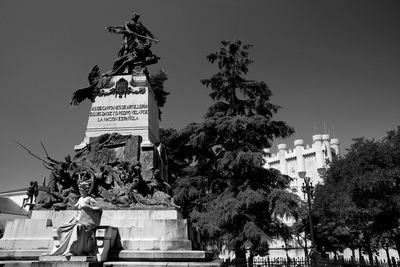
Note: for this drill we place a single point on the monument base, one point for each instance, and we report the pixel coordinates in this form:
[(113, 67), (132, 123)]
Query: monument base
[(16, 263), (151, 255), (215, 263), (141, 237), (66, 264)]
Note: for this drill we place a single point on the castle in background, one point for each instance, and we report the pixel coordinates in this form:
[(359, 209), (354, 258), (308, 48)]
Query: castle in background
[(312, 161)]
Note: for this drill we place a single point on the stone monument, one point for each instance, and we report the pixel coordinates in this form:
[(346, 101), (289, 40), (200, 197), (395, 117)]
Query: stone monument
[(125, 105), (117, 180)]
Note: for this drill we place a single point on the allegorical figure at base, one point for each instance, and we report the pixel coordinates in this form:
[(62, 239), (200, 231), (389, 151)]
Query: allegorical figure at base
[(77, 237)]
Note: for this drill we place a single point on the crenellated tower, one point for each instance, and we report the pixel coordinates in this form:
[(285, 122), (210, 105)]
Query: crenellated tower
[(313, 160)]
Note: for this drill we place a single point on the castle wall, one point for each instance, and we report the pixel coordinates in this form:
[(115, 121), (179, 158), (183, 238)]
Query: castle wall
[(310, 159), (313, 160)]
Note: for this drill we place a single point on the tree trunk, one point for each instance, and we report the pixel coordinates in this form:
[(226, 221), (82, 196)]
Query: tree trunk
[(369, 252), (388, 256), (360, 256), (353, 254), (250, 260), (305, 245), (396, 240), (240, 255)]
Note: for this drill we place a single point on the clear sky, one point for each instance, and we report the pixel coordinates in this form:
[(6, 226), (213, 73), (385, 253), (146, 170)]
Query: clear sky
[(336, 62)]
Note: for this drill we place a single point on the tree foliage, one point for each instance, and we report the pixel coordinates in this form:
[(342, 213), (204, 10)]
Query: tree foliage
[(157, 84), (221, 183), (360, 200)]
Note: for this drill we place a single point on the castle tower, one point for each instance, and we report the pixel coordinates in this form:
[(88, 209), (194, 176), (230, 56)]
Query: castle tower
[(335, 146), (299, 148), (317, 146), (282, 158), (327, 146), (303, 158)]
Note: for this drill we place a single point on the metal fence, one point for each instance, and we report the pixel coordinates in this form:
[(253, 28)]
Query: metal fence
[(267, 262), (303, 262)]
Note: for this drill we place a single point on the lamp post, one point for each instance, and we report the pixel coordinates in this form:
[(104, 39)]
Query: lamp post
[(308, 191), (287, 247)]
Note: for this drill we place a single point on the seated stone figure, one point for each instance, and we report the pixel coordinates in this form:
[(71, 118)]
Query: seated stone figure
[(76, 238)]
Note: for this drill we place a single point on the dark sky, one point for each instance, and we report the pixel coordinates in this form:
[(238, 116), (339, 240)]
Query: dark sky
[(327, 62)]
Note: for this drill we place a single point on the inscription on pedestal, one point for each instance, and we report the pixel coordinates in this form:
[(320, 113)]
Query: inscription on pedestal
[(127, 106), (117, 113)]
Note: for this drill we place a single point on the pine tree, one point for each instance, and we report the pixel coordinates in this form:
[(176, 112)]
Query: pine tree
[(223, 187)]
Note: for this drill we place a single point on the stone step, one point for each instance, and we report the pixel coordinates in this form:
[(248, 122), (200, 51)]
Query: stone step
[(154, 255), (155, 244), (110, 217), (66, 264), (216, 263), (27, 228), (20, 243), (140, 223), (20, 263), (124, 255), (160, 229), (60, 258), (19, 254), (108, 263)]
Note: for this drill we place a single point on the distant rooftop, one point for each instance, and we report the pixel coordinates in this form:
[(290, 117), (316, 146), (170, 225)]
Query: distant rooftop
[(7, 206), (14, 191)]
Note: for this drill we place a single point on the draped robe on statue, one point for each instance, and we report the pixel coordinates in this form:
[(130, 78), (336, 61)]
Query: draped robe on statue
[(77, 237)]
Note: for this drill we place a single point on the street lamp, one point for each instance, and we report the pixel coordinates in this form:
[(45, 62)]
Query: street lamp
[(287, 247), (321, 172), (308, 191)]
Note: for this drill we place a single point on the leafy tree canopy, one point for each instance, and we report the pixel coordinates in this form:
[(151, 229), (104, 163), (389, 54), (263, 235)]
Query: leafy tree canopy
[(157, 84), (221, 182), (360, 200)]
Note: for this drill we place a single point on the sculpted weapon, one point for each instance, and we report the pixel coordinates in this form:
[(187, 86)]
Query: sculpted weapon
[(30, 152), (46, 164), (45, 151), (145, 37), (123, 30)]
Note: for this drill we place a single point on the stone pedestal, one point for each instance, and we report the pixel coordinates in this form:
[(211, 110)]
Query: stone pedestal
[(126, 105), (149, 237), (62, 261)]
